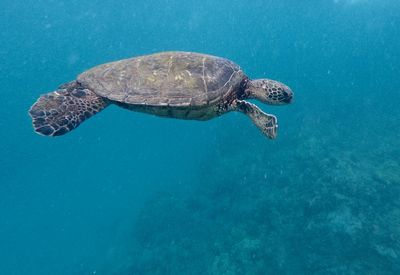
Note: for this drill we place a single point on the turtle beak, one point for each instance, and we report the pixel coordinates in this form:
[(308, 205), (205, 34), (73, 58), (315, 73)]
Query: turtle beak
[(287, 95)]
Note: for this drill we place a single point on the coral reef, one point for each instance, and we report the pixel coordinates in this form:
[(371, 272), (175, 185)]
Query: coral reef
[(312, 203)]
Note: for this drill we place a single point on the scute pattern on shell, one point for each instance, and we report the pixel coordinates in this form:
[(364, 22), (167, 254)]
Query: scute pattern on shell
[(165, 79)]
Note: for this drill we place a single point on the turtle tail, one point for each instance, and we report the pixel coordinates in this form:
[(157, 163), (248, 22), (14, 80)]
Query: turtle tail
[(59, 112)]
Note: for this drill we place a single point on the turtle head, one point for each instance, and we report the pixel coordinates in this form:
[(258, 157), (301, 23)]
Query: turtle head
[(269, 91)]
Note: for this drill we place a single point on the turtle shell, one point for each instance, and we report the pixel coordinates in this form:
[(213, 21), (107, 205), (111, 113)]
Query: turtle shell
[(165, 79)]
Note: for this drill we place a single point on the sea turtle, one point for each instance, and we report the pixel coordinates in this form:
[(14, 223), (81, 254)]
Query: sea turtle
[(183, 85)]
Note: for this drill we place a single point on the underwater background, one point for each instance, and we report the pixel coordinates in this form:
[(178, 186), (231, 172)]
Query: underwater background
[(129, 193)]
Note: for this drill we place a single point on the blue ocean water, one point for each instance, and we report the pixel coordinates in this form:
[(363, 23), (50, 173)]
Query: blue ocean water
[(128, 193)]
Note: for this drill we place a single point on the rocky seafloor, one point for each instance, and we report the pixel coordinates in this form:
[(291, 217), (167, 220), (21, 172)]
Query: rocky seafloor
[(323, 200)]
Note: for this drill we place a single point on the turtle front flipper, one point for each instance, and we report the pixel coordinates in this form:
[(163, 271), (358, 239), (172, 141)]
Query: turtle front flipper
[(59, 112), (267, 123)]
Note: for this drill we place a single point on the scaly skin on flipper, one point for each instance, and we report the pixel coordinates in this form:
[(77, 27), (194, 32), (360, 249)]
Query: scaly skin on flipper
[(59, 112), (265, 122)]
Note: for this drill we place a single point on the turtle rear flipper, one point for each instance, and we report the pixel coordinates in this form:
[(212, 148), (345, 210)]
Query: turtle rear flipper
[(59, 112)]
